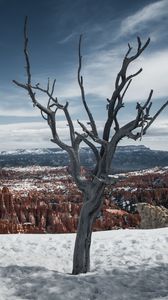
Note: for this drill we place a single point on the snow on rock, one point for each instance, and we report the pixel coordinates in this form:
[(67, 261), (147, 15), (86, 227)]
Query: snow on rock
[(125, 265), (38, 151)]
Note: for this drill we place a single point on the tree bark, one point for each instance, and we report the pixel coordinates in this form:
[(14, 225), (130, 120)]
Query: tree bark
[(89, 211)]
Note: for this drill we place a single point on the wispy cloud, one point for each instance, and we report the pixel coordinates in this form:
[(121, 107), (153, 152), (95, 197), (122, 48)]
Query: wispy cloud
[(154, 76), (150, 13), (67, 38), (17, 103), (101, 71), (38, 135), (24, 135)]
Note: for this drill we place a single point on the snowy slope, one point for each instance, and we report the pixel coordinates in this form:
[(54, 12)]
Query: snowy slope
[(130, 148), (126, 158), (126, 265)]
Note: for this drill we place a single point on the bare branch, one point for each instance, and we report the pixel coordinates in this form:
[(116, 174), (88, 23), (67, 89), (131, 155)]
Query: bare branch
[(80, 82), (70, 123), (135, 74), (142, 121), (83, 137), (32, 96), (155, 116), (140, 49), (50, 115), (129, 50), (126, 88), (139, 44), (26, 52), (121, 86), (91, 134), (45, 118), (148, 100), (53, 87)]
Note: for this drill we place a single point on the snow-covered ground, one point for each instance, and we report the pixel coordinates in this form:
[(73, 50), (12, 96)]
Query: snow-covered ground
[(125, 265)]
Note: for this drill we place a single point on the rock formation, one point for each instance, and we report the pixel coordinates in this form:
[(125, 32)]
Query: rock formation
[(36, 213), (152, 216), (43, 199)]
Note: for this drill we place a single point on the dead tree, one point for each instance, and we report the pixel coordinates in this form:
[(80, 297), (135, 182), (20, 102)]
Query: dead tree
[(103, 147)]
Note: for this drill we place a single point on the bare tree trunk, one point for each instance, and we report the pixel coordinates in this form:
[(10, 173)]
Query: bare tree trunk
[(93, 189), (88, 214)]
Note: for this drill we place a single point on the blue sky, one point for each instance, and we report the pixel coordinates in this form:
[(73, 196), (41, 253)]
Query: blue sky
[(54, 28)]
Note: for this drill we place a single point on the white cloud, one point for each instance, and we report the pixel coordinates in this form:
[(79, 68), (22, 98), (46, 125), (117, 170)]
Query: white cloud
[(21, 112), (67, 38), (23, 135), (150, 13), (101, 71), (20, 105), (154, 76), (34, 134), (38, 135)]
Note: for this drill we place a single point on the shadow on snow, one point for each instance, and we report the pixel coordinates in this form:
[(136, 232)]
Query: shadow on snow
[(117, 284)]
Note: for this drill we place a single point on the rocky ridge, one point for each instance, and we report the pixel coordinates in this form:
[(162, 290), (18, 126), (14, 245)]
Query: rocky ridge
[(126, 158)]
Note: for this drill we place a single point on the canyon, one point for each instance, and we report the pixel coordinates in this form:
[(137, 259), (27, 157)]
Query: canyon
[(46, 200)]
